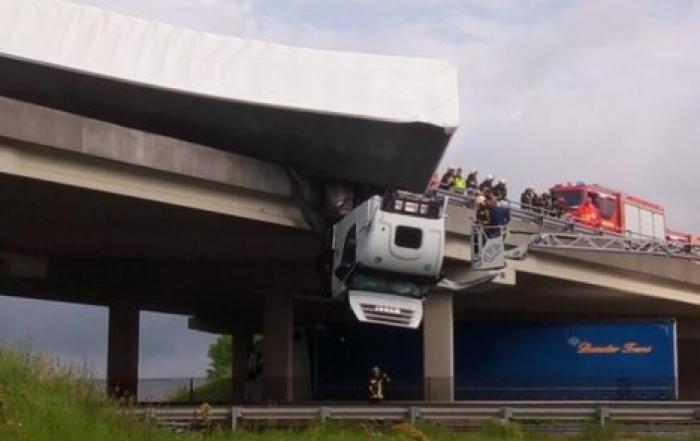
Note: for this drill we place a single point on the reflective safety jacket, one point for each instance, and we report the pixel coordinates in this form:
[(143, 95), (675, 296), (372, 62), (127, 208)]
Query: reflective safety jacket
[(459, 184), (376, 386)]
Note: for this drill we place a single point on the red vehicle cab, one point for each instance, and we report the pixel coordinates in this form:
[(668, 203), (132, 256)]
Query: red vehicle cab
[(600, 207), (690, 240)]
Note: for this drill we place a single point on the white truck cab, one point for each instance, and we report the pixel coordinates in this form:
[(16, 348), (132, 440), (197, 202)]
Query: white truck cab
[(387, 255)]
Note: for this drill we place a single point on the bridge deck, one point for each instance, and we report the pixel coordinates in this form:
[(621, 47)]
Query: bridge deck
[(332, 114)]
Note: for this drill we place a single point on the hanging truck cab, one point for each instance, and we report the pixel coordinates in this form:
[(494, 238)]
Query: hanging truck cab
[(387, 256)]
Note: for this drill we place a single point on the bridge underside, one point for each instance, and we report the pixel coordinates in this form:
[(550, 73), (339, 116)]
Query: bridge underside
[(69, 244), (89, 246), (96, 240)]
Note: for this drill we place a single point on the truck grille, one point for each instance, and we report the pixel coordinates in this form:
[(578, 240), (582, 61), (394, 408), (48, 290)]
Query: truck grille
[(388, 315), (386, 309)]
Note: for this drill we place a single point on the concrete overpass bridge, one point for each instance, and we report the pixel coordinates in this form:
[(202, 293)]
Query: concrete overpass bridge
[(148, 189), (106, 215)]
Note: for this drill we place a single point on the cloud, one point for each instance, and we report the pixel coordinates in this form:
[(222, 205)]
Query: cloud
[(77, 336), (594, 91), (600, 92), (216, 16), (169, 349)]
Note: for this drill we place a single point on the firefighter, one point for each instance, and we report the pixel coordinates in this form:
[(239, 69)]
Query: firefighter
[(252, 388), (483, 212), (488, 183), (547, 203), (377, 382), (527, 198), (434, 181), (536, 203), (489, 200), (472, 181), (499, 216), (560, 207), (588, 213), (458, 184), (446, 180), (483, 220), (500, 192)]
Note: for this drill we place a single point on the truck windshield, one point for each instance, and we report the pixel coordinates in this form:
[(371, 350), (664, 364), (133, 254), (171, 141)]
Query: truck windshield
[(364, 282), (573, 198)]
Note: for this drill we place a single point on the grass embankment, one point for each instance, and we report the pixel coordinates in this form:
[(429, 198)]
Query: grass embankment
[(40, 401)]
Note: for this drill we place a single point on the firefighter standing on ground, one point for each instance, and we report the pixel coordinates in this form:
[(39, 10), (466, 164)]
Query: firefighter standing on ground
[(377, 382)]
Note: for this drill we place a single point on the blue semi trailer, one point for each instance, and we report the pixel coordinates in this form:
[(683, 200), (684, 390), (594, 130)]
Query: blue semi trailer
[(612, 360), (630, 360)]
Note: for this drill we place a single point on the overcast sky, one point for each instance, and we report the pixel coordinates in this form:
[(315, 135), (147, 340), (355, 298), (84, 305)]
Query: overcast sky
[(604, 91)]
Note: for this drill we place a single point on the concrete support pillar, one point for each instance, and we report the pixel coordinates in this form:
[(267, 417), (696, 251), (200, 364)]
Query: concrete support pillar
[(438, 347), (242, 348), (123, 350), (688, 338), (278, 361)]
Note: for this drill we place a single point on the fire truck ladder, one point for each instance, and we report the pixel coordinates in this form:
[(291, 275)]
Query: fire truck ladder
[(569, 234), (605, 243)]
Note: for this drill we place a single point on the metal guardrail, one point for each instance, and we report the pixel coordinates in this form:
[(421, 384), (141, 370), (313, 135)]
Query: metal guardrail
[(568, 233), (642, 416)]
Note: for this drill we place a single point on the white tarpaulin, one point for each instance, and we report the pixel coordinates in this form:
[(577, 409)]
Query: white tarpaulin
[(102, 43), (367, 118)]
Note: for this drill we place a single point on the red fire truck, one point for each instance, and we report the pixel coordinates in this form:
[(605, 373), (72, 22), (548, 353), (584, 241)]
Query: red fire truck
[(600, 207), (689, 240)]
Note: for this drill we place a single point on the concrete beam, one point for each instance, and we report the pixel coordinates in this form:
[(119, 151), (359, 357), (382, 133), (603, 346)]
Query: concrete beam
[(676, 269), (123, 350), (72, 133), (245, 320), (607, 277), (22, 266), (639, 280), (278, 361), (79, 170), (688, 357), (438, 347)]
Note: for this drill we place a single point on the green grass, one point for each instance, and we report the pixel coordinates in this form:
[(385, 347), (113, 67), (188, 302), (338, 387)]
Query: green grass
[(41, 401)]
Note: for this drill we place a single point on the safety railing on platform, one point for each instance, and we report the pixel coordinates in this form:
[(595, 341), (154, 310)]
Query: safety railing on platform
[(575, 235), (539, 414)]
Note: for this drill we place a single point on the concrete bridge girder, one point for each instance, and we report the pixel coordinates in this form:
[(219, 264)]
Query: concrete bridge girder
[(54, 146), (77, 170), (70, 133)]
